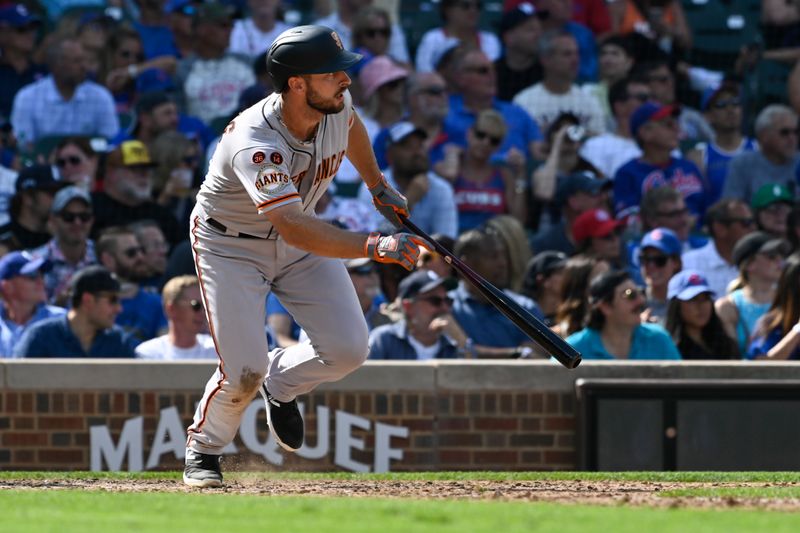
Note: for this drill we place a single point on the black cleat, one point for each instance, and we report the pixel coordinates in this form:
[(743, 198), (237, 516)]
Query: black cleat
[(284, 421), (202, 470)]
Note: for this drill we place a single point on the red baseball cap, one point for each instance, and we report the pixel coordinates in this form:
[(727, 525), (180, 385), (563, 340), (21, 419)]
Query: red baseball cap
[(593, 224)]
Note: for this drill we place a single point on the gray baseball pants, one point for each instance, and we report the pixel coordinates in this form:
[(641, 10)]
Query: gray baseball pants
[(236, 274)]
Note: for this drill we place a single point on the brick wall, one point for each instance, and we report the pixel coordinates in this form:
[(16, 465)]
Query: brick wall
[(448, 431), (460, 415)]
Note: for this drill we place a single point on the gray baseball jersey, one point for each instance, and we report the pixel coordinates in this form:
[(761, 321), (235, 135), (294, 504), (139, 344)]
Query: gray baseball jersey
[(257, 167)]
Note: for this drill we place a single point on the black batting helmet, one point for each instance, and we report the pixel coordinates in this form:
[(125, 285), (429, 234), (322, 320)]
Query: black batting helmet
[(307, 50)]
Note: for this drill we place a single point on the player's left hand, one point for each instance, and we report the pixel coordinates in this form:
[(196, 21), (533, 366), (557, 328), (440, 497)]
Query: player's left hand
[(389, 202)]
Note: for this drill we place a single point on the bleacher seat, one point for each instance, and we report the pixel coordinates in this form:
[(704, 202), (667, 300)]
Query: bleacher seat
[(767, 84), (720, 28)]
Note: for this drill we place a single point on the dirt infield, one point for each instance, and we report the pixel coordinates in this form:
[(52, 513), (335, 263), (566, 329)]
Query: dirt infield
[(636, 493)]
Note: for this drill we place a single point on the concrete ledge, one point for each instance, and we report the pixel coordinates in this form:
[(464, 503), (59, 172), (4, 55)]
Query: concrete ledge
[(378, 376)]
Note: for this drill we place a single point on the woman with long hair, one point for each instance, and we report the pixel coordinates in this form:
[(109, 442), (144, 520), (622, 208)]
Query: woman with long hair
[(759, 258), (516, 243), (777, 334), (578, 274), (692, 322)]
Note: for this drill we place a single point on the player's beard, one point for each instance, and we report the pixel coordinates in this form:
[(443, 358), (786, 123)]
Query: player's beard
[(323, 105)]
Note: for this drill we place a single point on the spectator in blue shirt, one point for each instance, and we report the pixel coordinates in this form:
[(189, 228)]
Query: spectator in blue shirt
[(614, 329), (777, 334), (156, 36), (430, 197), (493, 334), (87, 330), (121, 252), (655, 129), (65, 102), (22, 290), (157, 112), (559, 17), (723, 110), (475, 81), (17, 68), (423, 332)]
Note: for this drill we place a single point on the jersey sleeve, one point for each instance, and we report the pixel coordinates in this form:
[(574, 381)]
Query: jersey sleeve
[(264, 173)]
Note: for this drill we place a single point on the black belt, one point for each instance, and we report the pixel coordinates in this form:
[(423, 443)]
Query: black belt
[(224, 229)]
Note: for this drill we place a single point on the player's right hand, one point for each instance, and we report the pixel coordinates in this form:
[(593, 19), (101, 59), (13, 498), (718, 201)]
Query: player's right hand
[(389, 202), (400, 248)]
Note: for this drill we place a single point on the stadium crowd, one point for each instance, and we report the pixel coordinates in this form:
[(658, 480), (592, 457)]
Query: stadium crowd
[(581, 155)]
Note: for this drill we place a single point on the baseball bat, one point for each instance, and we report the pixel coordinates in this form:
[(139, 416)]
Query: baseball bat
[(529, 324)]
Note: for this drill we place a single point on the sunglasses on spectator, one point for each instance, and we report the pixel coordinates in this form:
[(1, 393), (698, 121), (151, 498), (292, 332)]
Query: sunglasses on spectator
[(746, 222), (437, 301), (196, 305), (674, 213), (482, 135), (127, 54), (394, 84), (73, 160), (133, 251), (641, 97), (377, 32), (660, 79), (727, 102), (631, 294), (658, 260), (69, 218), (432, 91), (483, 70)]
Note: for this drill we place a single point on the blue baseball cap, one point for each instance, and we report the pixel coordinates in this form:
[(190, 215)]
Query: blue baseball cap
[(710, 95), (183, 6), (15, 264), (662, 239), (651, 111), (17, 16), (687, 284)]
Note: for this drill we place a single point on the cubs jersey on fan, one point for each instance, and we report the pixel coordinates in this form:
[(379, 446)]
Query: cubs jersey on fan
[(259, 166)]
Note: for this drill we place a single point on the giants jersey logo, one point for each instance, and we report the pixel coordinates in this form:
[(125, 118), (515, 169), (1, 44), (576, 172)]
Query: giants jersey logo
[(271, 179)]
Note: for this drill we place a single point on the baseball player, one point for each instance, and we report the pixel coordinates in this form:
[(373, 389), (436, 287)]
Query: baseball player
[(253, 230)]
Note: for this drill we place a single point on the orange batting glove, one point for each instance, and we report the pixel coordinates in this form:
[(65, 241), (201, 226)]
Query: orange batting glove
[(400, 248)]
